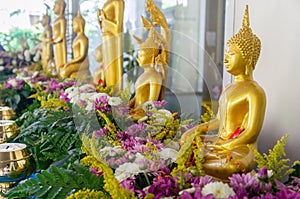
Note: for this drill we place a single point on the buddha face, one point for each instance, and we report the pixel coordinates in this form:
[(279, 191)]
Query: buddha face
[(56, 8), (144, 56), (75, 26), (234, 61)]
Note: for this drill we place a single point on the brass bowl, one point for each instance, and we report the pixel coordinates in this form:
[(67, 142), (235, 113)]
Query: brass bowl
[(8, 130), (16, 163), (7, 113)]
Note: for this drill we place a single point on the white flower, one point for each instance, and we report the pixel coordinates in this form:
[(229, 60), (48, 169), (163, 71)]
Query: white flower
[(32, 51), (172, 144), (35, 74), (26, 53), (168, 153), (2, 68), (14, 62), (35, 58), (27, 58), (270, 173), (1, 61), (87, 88), (220, 190), (142, 119), (15, 70), (114, 101), (13, 83), (20, 56), (165, 112), (190, 190), (148, 106), (161, 116), (127, 170)]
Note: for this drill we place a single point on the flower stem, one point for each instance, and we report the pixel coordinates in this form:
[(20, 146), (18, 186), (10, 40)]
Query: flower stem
[(147, 179)]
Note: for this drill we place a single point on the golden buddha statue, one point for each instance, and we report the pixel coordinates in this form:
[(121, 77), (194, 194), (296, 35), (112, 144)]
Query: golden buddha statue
[(80, 62), (153, 56), (111, 23), (46, 46), (59, 35), (99, 77), (241, 111)]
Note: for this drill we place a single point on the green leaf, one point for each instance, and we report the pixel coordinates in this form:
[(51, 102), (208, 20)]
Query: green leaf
[(26, 189), (59, 183), (17, 98)]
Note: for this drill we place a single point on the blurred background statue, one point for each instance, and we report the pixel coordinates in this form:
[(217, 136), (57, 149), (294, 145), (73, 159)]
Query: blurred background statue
[(241, 111), (99, 78), (111, 23), (153, 56), (59, 35), (80, 62), (46, 45)]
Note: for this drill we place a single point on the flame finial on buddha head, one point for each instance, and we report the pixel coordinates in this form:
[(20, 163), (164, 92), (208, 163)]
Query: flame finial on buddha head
[(248, 43)]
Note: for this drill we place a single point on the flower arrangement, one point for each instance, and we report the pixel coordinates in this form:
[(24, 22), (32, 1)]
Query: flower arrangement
[(12, 61), (86, 146)]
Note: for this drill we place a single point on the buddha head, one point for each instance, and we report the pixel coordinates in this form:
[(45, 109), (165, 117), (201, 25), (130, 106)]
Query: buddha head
[(244, 45), (45, 20), (78, 23), (59, 7), (149, 49)]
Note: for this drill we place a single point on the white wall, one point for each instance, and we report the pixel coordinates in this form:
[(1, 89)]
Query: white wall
[(277, 23)]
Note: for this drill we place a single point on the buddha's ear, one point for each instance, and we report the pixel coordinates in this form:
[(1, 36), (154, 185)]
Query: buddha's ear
[(248, 67)]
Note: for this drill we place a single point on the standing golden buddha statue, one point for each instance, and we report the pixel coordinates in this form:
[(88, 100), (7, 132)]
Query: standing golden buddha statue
[(46, 46), (59, 35), (241, 111), (80, 62), (111, 23), (153, 56)]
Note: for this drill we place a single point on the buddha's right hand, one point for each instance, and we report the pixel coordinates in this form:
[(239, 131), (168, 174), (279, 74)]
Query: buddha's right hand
[(192, 132)]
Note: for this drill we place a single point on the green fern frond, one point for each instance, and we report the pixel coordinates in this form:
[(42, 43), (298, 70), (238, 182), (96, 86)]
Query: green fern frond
[(28, 188), (58, 183)]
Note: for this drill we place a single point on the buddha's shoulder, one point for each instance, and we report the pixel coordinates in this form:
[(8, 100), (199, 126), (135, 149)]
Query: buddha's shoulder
[(255, 88)]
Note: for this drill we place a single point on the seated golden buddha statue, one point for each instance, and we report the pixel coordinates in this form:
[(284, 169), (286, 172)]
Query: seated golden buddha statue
[(111, 23), (46, 46), (241, 111), (59, 35), (79, 63), (153, 56)]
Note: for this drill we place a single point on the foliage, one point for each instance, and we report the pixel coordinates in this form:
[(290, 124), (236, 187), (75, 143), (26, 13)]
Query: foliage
[(207, 114), (92, 146), (275, 160), (88, 194), (190, 157), (296, 172), (58, 183), (52, 134), (17, 98), (111, 184), (11, 41)]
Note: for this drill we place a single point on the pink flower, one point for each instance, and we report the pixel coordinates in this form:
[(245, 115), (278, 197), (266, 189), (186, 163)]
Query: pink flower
[(96, 172), (102, 105)]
